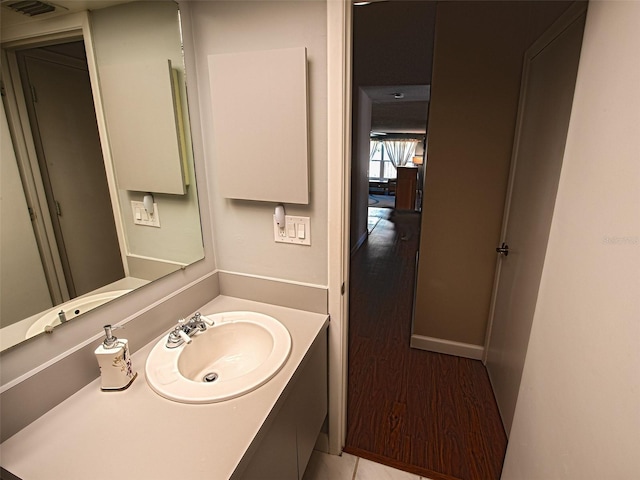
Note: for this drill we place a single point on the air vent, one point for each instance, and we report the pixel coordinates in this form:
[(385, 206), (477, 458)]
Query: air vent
[(31, 8)]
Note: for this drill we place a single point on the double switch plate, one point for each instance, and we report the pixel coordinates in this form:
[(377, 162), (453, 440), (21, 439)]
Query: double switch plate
[(142, 217), (296, 230)]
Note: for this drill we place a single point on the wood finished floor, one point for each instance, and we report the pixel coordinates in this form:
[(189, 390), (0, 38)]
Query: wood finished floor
[(426, 413)]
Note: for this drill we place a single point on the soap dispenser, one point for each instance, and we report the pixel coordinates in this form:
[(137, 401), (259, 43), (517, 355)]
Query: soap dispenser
[(114, 360)]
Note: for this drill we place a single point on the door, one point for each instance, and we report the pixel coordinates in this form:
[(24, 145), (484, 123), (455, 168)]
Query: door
[(23, 285), (73, 170), (549, 76)]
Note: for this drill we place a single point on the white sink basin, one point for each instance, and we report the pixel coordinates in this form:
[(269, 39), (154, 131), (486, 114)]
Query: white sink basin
[(72, 309), (239, 353)]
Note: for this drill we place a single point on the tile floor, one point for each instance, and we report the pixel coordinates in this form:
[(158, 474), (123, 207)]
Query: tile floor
[(347, 467)]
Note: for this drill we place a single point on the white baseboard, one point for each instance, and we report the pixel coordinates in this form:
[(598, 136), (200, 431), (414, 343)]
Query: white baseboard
[(449, 347)]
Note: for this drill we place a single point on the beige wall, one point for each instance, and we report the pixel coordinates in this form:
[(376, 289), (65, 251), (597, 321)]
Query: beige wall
[(243, 230), (578, 412), (479, 48)]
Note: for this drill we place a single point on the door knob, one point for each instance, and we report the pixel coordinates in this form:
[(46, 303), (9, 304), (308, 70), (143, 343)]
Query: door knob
[(503, 249)]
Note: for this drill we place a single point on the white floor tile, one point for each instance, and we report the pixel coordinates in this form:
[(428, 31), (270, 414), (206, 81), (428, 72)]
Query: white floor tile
[(368, 470), (330, 467)]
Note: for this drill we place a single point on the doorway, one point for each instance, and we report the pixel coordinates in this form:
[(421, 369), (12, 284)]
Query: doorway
[(469, 121), (69, 165)]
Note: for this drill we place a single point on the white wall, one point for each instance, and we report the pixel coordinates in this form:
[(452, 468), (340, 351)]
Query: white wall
[(578, 412), (23, 287), (243, 230)]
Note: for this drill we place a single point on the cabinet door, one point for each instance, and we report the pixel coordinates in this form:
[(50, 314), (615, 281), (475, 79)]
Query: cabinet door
[(276, 457), (284, 450), (311, 401), (260, 98), (146, 142)]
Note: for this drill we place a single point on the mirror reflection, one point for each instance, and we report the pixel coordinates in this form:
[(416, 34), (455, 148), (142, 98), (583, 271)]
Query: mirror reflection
[(98, 183)]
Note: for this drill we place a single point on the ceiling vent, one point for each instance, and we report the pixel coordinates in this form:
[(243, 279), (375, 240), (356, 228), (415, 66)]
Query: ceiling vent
[(31, 7)]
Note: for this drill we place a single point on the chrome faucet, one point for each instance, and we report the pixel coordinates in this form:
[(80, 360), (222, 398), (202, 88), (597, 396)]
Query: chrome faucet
[(186, 329)]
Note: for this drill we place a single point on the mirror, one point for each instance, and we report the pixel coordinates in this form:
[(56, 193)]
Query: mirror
[(95, 126)]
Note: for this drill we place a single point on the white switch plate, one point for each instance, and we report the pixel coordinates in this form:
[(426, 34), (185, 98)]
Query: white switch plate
[(141, 217), (291, 232)]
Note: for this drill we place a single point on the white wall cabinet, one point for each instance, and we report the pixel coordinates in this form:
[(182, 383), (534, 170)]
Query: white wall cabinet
[(143, 107), (260, 99), (146, 141)]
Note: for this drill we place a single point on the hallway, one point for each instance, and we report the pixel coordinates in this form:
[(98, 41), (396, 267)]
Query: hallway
[(427, 413)]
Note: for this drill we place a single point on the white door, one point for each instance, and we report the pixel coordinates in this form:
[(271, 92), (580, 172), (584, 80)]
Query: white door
[(73, 169), (546, 96)]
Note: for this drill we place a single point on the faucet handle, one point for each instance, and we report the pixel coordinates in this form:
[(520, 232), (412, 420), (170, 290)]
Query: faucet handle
[(177, 336), (200, 319), (184, 336)]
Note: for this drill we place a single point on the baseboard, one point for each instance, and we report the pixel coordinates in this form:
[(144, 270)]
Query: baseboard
[(449, 347), (359, 243), (302, 296)]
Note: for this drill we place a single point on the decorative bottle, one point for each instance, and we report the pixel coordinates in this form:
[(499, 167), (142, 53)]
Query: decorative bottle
[(114, 360)]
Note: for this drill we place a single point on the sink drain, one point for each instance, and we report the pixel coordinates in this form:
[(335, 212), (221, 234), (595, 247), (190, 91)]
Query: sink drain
[(210, 377)]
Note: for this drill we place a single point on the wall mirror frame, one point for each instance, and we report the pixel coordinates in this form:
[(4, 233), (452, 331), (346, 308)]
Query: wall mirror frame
[(74, 27)]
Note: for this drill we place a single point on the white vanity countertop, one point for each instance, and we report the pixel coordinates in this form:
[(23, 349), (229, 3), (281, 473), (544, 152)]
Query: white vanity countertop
[(138, 435)]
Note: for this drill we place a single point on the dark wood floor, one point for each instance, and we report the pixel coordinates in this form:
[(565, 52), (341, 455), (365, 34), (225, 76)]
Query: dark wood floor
[(430, 414)]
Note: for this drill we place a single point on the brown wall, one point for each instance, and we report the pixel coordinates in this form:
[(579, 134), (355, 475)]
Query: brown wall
[(393, 43), (479, 48)]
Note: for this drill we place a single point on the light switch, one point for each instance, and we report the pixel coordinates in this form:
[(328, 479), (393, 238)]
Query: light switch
[(141, 217), (296, 230)]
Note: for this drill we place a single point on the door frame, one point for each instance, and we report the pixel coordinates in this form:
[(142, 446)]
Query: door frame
[(41, 175), (32, 182), (560, 25), (339, 37)]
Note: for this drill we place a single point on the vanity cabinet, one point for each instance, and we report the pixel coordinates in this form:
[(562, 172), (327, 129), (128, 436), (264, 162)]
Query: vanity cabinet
[(285, 446)]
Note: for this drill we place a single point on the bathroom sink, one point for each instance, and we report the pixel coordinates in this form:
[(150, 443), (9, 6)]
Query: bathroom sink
[(239, 353), (72, 309)]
